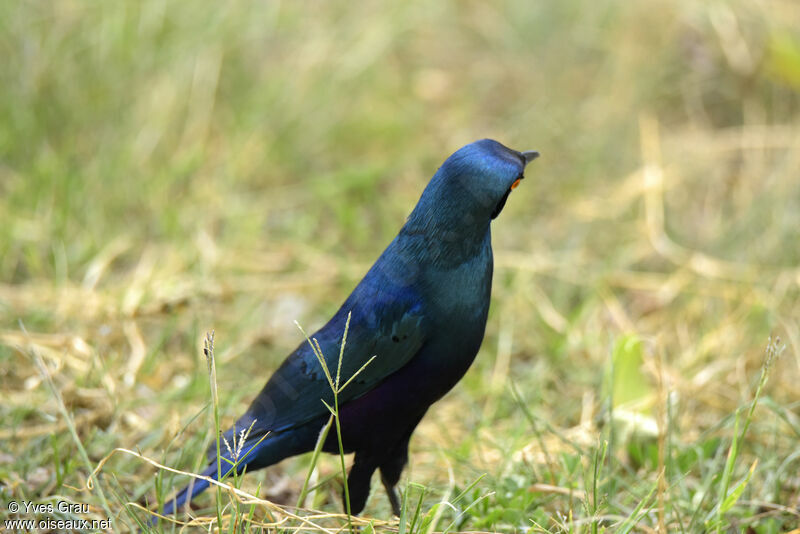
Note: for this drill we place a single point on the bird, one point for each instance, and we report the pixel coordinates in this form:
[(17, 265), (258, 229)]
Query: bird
[(414, 324)]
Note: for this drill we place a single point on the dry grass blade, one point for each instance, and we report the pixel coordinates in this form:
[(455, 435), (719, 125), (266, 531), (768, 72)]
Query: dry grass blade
[(244, 498)]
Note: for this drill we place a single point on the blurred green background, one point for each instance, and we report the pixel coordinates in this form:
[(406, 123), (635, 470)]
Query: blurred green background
[(169, 168)]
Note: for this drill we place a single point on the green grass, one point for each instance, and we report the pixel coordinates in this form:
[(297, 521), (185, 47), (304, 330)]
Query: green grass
[(169, 169)]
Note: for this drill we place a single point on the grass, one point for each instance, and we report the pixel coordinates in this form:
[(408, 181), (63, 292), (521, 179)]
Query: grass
[(168, 170)]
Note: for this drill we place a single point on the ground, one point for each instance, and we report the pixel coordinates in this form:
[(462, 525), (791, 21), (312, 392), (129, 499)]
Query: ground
[(169, 169)]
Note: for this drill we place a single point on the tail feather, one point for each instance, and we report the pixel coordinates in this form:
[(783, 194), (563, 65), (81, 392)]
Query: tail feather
[(256, 453), (199, 485), (194, 488)]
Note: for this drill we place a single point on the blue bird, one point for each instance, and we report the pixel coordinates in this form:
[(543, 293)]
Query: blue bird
[(420, 310)]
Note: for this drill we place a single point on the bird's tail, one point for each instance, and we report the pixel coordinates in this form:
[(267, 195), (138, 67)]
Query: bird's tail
[(257, 451), (194, 488), (227, 465)]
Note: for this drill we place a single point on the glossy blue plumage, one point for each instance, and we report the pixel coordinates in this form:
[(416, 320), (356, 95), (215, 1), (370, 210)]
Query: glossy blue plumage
[(421, 310)]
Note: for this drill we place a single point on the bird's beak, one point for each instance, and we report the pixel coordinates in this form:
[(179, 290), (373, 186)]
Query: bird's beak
[(529, 156)]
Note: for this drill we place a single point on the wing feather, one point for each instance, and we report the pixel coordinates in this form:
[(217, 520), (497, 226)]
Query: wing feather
[(387, 321)]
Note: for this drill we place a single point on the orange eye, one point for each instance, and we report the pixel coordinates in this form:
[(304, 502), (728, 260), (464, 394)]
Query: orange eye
[(516, 183)]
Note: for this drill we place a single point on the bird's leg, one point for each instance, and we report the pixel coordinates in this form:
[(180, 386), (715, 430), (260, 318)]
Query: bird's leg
[(391, 492), (358, 482), (391, 468)]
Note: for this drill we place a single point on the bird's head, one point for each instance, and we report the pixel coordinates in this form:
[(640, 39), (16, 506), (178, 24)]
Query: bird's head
[(471, 187)]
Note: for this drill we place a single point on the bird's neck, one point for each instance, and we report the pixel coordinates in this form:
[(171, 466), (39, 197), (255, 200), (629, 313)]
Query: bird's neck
[(442, 244), (444, 226), (446, 214)]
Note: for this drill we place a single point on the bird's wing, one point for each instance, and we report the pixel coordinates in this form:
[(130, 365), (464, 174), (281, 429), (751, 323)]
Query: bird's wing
[(386, 322)]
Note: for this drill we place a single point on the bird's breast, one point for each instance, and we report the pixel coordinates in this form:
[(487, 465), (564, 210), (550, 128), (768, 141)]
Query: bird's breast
[(460, 296), (462, 292)]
